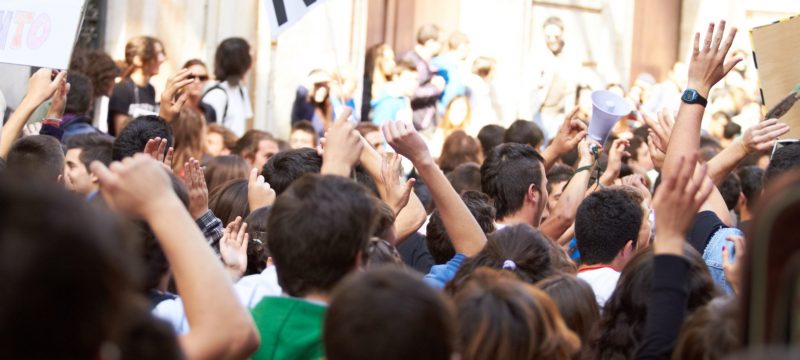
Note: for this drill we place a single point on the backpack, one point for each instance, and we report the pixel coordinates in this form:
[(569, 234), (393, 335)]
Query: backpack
[(218, 86)]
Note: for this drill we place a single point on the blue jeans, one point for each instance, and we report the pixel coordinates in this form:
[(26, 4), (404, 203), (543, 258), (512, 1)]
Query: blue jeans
[(713, 256)]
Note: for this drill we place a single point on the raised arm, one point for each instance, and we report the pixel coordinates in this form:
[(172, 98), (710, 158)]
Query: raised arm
[(571, 132), (755, 139), (221, 327), (461, 226), (343, 147), (563, 216)]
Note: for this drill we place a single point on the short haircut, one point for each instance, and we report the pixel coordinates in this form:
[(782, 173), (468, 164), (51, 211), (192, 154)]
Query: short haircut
[(508, 172), (388, 313), (456, 39), (286, 167), (751, 179), (491, 136), (94, 147), (228, 137), (133, 138), (247, 145), (439, 243), (306, 126), (80, 99), (557, 174), (785, 158), (229, 200), (365, 128), (606, 220), (427, 33), (465, 177), (730, 188), (524, 132), (459, 148), (224, 168), (232, 60), (36, 156), (317, 229)]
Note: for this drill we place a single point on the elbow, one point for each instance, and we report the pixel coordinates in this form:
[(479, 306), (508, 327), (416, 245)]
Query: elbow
[(245, 341)]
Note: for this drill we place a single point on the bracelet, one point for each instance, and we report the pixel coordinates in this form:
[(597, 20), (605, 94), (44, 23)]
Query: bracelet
[(583, 168)]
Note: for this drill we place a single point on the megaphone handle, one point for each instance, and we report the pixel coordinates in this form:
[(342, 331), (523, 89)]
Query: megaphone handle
[(595, 149)]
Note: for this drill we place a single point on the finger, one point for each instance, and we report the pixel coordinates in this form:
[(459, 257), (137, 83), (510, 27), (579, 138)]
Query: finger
[(729, 65), (150, 147), (104, 175), (240, 236), (344, 116), (709, 34), (568, 120), (260, 181), (60, 78), (696, 46), (182, 100), (739, 246), (718, 36), (162, 148), (726, 262), (168, 158), (253, 177), (181, 84), (188, 179), (577, 124), (244, 243), (726, 46)]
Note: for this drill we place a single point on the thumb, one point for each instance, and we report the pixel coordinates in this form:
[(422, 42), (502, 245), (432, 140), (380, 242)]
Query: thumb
[(728, 66), (409, 187), (104, 175), (253, 177), (182, 100), (725, 257)]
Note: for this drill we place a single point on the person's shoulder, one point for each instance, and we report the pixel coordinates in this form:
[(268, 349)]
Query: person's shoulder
[(122, 88)]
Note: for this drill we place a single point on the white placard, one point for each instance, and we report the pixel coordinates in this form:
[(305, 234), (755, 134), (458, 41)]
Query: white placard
[(39, 33), (284, 13)]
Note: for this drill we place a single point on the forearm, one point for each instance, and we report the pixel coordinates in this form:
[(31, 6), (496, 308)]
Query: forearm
[(685, 139), (564, 213), (721, 165), (461, 226), (410, 218), (550, 156), (13, 128)]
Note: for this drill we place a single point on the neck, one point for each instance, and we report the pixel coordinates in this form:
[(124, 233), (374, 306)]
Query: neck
[(317, 297), (522, 216), (745, 214), (139, 78)]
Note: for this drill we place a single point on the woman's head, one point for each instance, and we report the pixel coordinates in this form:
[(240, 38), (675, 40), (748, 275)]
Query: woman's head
[(223, 169), (229, 200), (712, 332), (457, 114), (99, 67), (145, 54), (459, 148), (257, 251), (519, 249), (384, 63), (575, 301), (188, 130), (500, 317), (232, 60), (199, 72), (219, 140)]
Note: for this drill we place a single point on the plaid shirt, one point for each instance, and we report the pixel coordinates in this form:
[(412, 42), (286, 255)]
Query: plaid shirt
[(212, 228)]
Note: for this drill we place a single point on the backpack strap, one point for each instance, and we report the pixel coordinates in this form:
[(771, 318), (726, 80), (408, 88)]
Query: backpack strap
[(218, 86)]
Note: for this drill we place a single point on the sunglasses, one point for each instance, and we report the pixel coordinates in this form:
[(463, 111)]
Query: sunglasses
[(198, 77)]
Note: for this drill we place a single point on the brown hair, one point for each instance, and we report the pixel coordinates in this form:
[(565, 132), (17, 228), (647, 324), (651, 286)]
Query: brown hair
[(188, 132), (228, 137), (99, 67), (459, 148), (503, 318), (143, 47), (229, 200), (575, 301), (222, 169), (710, 333), (247, 145)]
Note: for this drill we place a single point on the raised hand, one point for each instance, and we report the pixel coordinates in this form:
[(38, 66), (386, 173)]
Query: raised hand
[(569, 135), (58, 102), (233, 246), (342, 146), (394, 191), (406, 141), (157, 149), (637, 181), (196, 185), (676, 203), (733, 270), (136, 186), (708, 64), (615, 155), (763, 136), (259, 193), (660, 130), (170, 107), (42, 86)]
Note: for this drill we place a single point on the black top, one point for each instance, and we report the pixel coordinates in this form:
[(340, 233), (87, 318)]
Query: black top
[(706, 223), (131, 100), (414, 253), (666, 307)]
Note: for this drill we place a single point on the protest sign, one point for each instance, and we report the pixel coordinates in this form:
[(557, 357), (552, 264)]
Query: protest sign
[(284, 13), (39, 32)]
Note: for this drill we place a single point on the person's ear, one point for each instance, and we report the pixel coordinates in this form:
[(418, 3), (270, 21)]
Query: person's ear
[(741, 202), (93, 178), (360, 259), (533, 195), (137, 61), (628, 250)]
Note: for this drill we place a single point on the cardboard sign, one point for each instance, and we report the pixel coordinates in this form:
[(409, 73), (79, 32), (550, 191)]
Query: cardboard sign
[(775, 52), (284, 13), (39, 33)]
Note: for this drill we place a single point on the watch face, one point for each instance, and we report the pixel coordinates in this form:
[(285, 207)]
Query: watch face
[(689, 95)]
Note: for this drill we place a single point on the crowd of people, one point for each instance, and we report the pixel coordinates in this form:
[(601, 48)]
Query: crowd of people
[(137, 227)]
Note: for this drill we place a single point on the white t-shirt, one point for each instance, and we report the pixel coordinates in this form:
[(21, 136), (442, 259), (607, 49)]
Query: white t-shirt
[(238, 102), (603, 281)]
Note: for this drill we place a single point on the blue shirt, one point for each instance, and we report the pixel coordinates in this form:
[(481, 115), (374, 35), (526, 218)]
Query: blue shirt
[(441, 274)]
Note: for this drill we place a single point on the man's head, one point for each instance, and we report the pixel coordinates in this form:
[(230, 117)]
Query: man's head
[(80, 100), (37, 156), (373, 135), (730, 189), (134, 136), (524, 132), (557, 179), (491, 136), (388, 313), (607, 227), (751, 179), (784, 159), (81, 151), (554, 34), (465, 177), (317, 230), (256, 147), (513, 176), (438, 241), (640, 154), (303, 135), (286, 167), (458, 43), (219, 140), (428, 37)]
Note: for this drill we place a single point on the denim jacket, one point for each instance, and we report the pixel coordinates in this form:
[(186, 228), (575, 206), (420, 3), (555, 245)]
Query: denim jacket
[(713, 255)]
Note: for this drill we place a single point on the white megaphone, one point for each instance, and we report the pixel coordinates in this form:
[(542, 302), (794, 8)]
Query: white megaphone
[(607, 109)]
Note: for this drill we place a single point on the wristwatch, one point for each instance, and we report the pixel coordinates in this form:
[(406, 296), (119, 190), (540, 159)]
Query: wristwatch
[(691, 96)]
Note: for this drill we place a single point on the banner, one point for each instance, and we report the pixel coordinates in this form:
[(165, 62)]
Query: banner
[(39, 33), (284, 13)]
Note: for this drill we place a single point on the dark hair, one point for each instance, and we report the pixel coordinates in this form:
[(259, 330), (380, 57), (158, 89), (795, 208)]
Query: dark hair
[(257, 252), (507, 173), (521, 245), (94, 147), (570, 158), (524, 132), (606, 220), (306, 126), (465, 177), (44, 233), (36, 156), (427, 32), (712, 332), (223, 169), (365, 128), (751, 179), (731, 130), (439, 244), (229, 200), (459, 148), (491, 136), (99, 67), (636, 142), (80, 100), (730, 188), (133, 138), (388, 313), (247, 145), (286, 167), (500, 317), (575, 301), (232, 60), (143, 47), (623, 318), (380, 253), (229, 139), (557, 174), (784, 159), (317, 228)]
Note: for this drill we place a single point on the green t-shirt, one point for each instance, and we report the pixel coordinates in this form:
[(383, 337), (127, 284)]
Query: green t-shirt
[(290, 328)]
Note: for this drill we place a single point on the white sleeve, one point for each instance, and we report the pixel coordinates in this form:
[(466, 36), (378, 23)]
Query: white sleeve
[(173, 313), (217, 99)]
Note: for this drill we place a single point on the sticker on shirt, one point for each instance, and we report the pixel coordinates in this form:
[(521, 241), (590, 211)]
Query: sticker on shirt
[(137, 110)]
